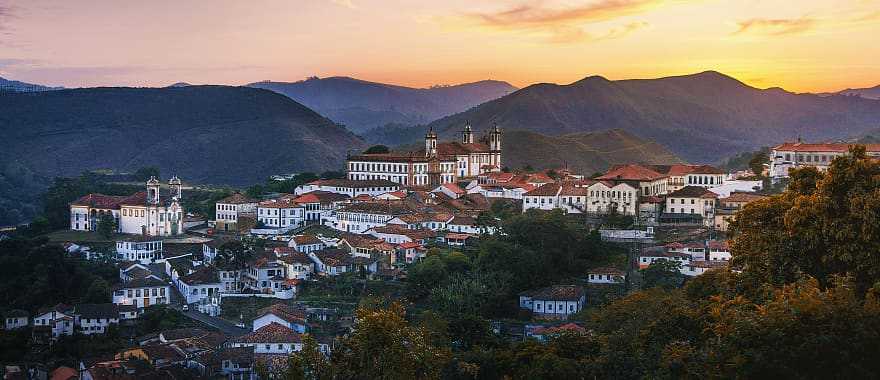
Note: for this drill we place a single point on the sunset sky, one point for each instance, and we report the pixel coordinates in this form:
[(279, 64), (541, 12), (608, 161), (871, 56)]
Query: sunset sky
[(800, 45)]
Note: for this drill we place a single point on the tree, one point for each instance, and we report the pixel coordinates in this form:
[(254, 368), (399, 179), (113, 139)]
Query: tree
[(384, 345), (662, 273), (333, 174), (309, 363), (255, 191), (98, 292), (377, 149), (106, 225), (233, 255), (756, 163), (423, 275), (824, 224), (144, 173)]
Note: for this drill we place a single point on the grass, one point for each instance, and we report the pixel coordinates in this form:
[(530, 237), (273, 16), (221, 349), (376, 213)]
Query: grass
[(78, 236)]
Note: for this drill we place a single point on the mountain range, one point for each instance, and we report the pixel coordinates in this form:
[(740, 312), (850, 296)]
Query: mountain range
[(362, 105), (870, 93), (207, 134), (7, 85), (702, 117)]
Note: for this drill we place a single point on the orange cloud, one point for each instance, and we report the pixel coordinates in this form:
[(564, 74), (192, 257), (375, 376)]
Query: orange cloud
[(775, 27), (531, 16)]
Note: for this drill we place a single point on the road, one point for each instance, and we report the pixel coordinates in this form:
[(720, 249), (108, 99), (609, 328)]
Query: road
[(216, 322)]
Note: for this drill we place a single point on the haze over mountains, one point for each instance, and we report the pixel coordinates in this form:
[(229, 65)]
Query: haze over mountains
[(702, 117), (362, 105), (213, 134), (18, 86)]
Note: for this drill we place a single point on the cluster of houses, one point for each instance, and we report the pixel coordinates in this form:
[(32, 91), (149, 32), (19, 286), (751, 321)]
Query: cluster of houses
[(51, 323), (694, 258)]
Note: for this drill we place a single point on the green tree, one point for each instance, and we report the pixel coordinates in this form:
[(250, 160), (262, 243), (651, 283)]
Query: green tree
[(98, 292), (756, 163), (106, 225), (423, 275), (384, 345), (662, 273), (377, 149), (144, 173), (255, 191)]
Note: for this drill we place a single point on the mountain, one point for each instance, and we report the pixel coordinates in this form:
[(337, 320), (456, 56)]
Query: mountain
[(586, 153), (362, 105), (179, 84), (870, 93), (208, 134), (701, 117), (7, 85)]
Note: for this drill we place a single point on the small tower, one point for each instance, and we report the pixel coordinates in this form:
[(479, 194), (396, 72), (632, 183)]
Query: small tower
[(431, 143), (467, 136), (176, 187), (152, 191), (495, 139)]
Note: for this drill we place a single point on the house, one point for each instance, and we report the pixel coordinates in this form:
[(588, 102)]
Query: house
[(15, 319), (718, 250), (306, 243), (143, 213), (320, 204), (265, 275), (228, 211), (651, 254), (142, 293), (694, 201), (607, 197), (647, 181), (396, 234), (411, 252), (544, 197), (282, 213), (144, 250), (273, 338), (297, 265), (466, 225), (156, 355), (681, 175), (451, 190), (57, 320), (203, 285), (430, 220), (350, 187), (696, 268), (606, 275), (455, 239), (283, 314), (360, 217), (554, 302), (229, 363), (792, 155), (331, 261), (437, 164), (95, 318)]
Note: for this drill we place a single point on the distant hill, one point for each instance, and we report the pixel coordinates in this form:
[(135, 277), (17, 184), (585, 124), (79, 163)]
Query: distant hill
[(362, 105), (702, 117), (870, 93), (7, 85), (208, 134), (584, 153)]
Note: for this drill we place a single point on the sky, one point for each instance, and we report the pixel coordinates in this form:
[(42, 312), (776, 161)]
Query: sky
[(799, 45)]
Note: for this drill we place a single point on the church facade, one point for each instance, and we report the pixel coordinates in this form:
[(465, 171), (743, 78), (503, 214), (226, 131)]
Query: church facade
[(439, 163), (143, 213)]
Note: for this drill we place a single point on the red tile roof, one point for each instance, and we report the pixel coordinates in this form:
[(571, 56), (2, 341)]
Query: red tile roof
[(99, 201), (823, 148), (237, 198), (741, 197), (454, 188), (692, 192), (545, 190), (287, 313), (631, 172), (271, 333)]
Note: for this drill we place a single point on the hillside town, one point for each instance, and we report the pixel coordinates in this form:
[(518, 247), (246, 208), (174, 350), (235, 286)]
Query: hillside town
[(389, 212)]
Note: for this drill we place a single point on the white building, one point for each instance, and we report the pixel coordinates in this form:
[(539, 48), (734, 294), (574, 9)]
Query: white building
[(350, 187), (93, 319), (57, 319), (554, 302), (681, 175), (228, 210), (143, 213), (606, 276), (285, 315), (281, 213), (360, 217), (144, 251), (787, 156), (203, 285), (273, 338), (647, 181), (693, 200), (437, 164), (596, 197), (142, 293), (15, 319)]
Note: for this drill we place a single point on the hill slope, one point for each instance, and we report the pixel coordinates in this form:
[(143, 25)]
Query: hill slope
[(362, 105), (702, 117), (870, 93), (16, 86), (213, 134), (584, 153)]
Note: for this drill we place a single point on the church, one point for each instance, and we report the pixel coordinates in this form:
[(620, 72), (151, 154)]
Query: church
[(439, 163), (146, 213)]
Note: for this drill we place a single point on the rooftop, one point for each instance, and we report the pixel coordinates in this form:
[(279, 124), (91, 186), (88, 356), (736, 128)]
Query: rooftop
[(271, 333)]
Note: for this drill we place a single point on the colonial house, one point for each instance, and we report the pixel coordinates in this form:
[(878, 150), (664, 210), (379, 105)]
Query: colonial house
[(334, 262), (318, 205), (730, 205), (696, 268), (95, 318), (298, 265), (143, 213), (266, 276), (606, 275), (203, 285), (306, 243), (604, 197), (142, 293), (554, 302), (285, 315), (411, 252), (647, 181), (282, 213), (144, 250), (15, 319), (350, 187), (466, 225), (273, 338), (57, 319), (595, 197), (231, 208), (545, 197), (649, 255), (438, 164), (396, 234), (787, 156), (718, 250), (360, 217), (431, 220), (693, 200), (681, 175)]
